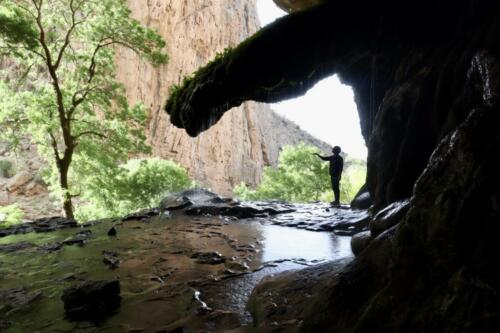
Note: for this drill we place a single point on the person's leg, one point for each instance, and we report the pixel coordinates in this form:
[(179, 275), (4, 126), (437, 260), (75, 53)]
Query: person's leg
[(336, 189)]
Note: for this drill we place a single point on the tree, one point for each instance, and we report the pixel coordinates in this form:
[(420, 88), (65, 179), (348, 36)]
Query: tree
[(303, 177), (141, 183), (61, 90)]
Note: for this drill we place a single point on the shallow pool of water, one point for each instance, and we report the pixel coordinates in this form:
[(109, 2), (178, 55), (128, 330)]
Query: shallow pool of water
[(157, 273)]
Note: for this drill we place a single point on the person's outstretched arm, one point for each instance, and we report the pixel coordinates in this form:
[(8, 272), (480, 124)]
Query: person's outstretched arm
[(327, 158)]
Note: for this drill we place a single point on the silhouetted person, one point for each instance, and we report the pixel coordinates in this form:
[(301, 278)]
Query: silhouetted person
[(336, 167)]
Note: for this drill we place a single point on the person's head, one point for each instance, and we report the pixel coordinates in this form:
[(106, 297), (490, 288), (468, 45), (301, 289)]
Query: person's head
[(336, 150)]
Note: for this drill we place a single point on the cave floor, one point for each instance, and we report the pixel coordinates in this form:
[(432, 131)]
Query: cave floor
[(175, 271)]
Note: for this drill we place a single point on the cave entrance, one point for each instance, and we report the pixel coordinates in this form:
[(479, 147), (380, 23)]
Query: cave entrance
[(329, 113)]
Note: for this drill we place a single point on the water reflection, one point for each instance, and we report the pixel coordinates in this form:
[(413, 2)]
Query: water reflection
[(287, 243)]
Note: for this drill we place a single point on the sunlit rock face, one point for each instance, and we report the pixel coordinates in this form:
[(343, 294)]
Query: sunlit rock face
[(246, 140)]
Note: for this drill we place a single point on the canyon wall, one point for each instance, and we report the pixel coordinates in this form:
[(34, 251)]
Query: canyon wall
[(236, 150), (247, 138)]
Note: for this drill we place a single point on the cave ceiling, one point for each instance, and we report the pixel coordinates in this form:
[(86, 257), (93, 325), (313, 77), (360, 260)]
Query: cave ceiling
[(286, 58)]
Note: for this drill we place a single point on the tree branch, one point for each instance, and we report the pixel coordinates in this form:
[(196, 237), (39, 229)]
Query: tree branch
[(74, 24), (90, 133)]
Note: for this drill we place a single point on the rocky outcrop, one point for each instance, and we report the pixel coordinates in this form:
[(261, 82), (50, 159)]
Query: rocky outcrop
[(410, 78), (428, 98), (245, 141)]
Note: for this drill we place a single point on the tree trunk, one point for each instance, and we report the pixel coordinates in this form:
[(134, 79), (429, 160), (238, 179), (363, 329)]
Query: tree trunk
[(63, 177)]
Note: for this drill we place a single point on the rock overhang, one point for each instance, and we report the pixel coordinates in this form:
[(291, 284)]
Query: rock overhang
[(287, 57)]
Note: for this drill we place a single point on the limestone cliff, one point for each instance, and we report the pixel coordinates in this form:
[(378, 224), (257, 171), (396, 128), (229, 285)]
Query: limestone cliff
[(246, 139), (235, 150)]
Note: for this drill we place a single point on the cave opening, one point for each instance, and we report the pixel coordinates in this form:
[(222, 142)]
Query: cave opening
[(328, 112)]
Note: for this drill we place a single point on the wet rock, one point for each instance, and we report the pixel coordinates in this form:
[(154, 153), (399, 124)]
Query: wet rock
[(111, 259), (389, 216), (277, 300), (142, 215), (183, 199), (16, 247), (79, 239), (92, 300), (362, 200), (112, 232), (175, 201), (209, 258), (352, 227), (360, 241), (203, 308), (17, 298), (41, 225), (241, 211), (51, 247), (237, 266)]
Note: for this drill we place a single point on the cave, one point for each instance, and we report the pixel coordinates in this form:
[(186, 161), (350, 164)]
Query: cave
[(426, 80)]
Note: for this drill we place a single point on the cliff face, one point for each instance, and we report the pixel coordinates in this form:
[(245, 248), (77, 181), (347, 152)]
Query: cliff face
[(245, 139), (235, 150)]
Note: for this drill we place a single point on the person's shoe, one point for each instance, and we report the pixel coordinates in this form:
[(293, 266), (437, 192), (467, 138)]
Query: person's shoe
[(335, 204)]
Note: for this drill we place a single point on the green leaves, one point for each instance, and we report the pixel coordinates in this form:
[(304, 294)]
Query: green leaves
[(10, 215), (139, 184), (303, 177), (60, 86), (15, 28)]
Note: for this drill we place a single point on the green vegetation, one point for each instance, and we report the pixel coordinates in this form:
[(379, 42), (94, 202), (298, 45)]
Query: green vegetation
[(5, 168), (140, 184), (303, 177), (10, 215), (61, 90)]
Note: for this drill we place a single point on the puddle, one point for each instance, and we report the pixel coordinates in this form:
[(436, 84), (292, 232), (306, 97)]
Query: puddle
[(162, 284)]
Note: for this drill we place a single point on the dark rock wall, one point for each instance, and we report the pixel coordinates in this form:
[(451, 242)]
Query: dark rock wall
[(438, 271), (427, 80), (407, 62)]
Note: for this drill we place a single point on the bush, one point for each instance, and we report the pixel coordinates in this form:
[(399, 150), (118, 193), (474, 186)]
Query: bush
[(141, 184), (5, 168), (10, 215), (303, 177)]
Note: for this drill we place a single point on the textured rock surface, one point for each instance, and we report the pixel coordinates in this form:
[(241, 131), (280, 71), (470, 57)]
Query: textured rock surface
[(428, 97), (246, 139), (411, 81)]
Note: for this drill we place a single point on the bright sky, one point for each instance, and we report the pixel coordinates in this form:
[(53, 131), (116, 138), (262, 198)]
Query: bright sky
[(327, 111)]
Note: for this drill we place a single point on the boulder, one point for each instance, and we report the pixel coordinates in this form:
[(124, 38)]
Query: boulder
[(92, 300), (280, 301), (389, 216), (362, 200), (360, 241), (16, 183), (79, 239), (352, 227)]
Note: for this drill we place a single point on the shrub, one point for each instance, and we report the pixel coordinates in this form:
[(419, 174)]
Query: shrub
[(5, 168), (10, 215), (141, 184), (303, 177)]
